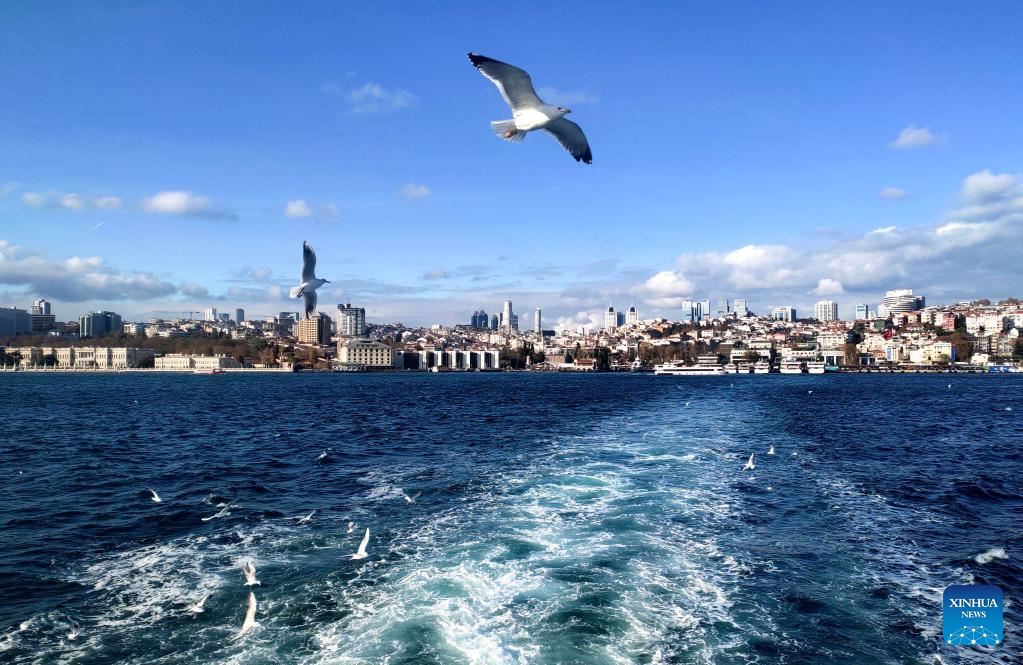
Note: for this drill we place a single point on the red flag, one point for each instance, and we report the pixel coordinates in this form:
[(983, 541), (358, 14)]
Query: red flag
[(888, 333)]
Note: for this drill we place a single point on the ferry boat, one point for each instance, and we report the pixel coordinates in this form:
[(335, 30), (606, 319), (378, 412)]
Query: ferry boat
[(745, 368), (762, 367), (679, 368), (791, 366), (815, 367), (638, 366)]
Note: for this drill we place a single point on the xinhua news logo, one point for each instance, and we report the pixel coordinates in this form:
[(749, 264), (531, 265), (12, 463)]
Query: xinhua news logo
[(972, 615)]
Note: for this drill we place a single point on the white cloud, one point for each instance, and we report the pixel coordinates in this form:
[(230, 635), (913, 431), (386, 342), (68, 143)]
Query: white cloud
[(108, 202), (893, 193), (412, 191), (297, 208), (985, 186), (568, 98), (435, 274), (184, 203), (883, 230), (328, 213), (72, 202), (372, 98), (35, 199), (829, 287), (913, 137), (69, 201)]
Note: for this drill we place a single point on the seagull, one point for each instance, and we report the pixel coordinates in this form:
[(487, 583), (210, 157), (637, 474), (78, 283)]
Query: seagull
[(749, 466), (412, 498), (809, 392), (310, 282), (322, 456), (74, 632), (950, 386), (250, 574), (197, 608), (770, 451), (687, 403), (529, 112), (308, 518), (361, 554), (156, 497), (223, 511), (250, 616), (351, 527)]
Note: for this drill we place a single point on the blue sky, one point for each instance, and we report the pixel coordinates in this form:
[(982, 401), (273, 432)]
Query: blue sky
[(149, 151)]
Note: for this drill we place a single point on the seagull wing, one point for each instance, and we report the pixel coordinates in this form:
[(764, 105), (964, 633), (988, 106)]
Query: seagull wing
[(365, 541), (308, 263), (571, 138), (250, 615), (515, 85), (310, 303)]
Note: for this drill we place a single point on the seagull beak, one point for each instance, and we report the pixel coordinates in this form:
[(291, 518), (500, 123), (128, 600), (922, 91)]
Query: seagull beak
[(567, 111)]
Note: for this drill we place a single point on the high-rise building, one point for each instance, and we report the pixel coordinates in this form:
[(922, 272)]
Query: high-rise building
[(538, 322), (610, 319), (692, 311), (704, 308), (14, 321), (223, 316), (723, 308), (783, 313), (41, 306), (514, 322), (98, 324), (314, 330), (506, 316), (632, 316), (862, 312), (209, 314), (239, 315), (351, 321), (494, 322), (825, 310), (621, 319), (901, 301), (740, 308), (483, 321)]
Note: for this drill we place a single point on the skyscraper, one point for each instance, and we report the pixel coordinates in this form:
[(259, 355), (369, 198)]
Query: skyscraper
[(825, 310), (723, 309), (704, 308), (783, 313), (314, 330), (632, 316), (494, 323), (98, 324), (483, 320), (506, 316), (209, 314), (691, 311), (610, 319), (740, 308), (239, 315), (862, 312), (351, 321), (41, 306), (901, 301), (537, 322)]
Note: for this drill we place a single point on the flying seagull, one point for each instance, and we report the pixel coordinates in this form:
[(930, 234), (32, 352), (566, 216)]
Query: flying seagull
[(250, 616), (529, 112), (308, 518), (250, 574), (223, 511), (310, 282), (770, 451), (411, 498), (749, 466), (361, 554), (156, 497), (351, 527), (197, 607)]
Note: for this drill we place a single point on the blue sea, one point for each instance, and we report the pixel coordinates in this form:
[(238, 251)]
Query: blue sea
[(562, 518)]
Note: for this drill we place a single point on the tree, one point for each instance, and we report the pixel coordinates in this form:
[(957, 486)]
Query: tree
[(49, 360), (851, 354), (983, 302)]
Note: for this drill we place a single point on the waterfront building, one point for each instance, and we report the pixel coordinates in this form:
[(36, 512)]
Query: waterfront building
[(209, 314), (351, 321), (98, 324), (184, 362), (365, 352), (632, 316), (14, 321), (239, 315), (784, 313), (825, 310), (610, 319), (85, 357), (740, 309), (314, 330), (862, 312), (41, 306)]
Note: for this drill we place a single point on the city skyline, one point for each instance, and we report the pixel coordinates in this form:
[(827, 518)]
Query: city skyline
[(904, 171)]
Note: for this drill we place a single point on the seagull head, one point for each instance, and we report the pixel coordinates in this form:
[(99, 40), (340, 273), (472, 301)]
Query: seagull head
[(564, 111)]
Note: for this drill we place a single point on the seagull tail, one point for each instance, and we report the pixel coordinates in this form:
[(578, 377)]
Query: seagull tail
[(506, 130)]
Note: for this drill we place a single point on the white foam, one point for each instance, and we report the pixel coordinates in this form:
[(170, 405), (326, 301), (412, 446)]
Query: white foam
[(990, 555)]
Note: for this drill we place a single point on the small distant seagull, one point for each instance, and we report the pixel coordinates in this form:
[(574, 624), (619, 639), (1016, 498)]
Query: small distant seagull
[(74, 631), (310, 282), (770, 451), (223, 511), (197, 607), (361, 554), (412, 498), (1008, 408), (351, 527), (950, 386), (250, 616), (749, 466), (809, 392), (308, 518), (529, 112), (156, 497), (322, 456), (687, 403), (250, 574)]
